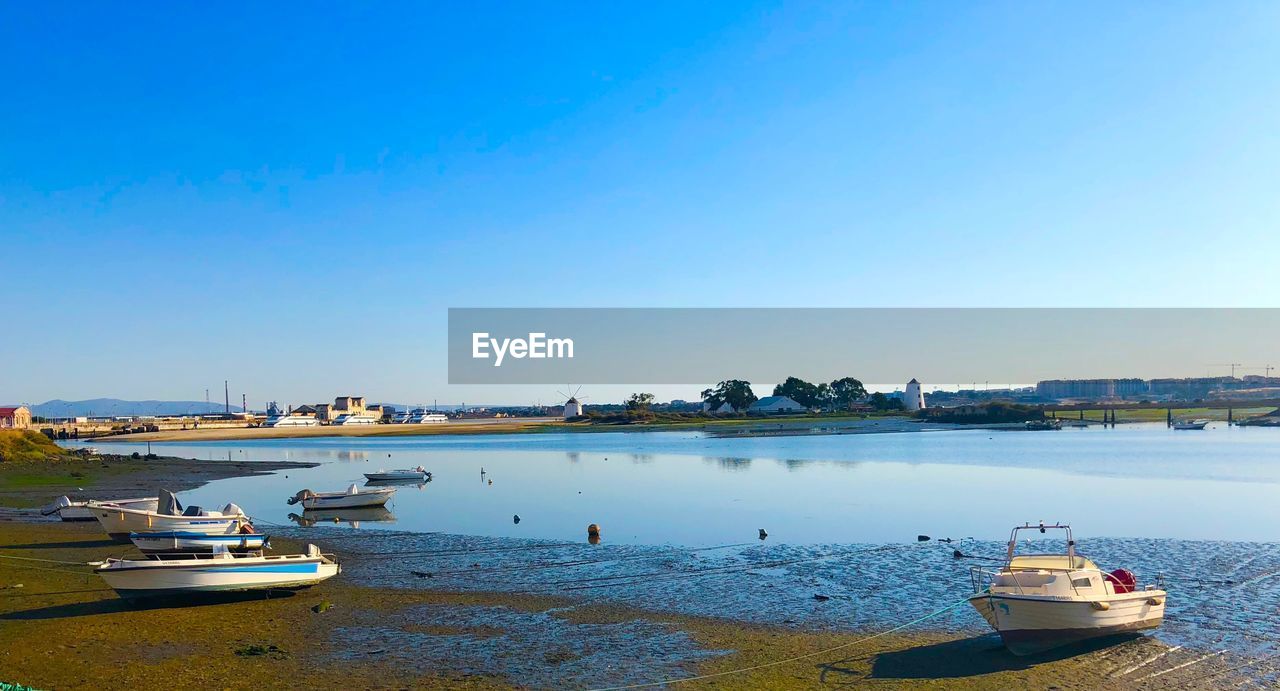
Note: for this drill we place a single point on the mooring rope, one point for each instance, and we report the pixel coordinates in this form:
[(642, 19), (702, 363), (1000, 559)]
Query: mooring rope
[(775, 663)]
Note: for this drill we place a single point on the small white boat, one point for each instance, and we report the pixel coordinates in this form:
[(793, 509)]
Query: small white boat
[(420, 474), (357, 419), (119, 521), (181, 542), (221, 572), (1042, 601), (354, 497), (291, 421), (70, 510), (1190, 424)]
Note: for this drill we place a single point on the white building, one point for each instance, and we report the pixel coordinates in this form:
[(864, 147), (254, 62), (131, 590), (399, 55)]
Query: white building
[(775, 405), (572, 408), (913, 397)]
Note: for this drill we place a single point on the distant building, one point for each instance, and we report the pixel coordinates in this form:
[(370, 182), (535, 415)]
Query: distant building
[(913, 396), (15, 417), (775, 405), (1059, 389), (572, 408)]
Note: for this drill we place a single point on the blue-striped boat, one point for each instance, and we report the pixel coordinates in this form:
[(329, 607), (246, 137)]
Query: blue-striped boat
[(186, 542), (220, 572)]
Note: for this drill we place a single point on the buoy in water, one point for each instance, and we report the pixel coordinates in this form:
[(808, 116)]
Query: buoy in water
[(515, 519), (593, 531), (763, 534), (922, 538)]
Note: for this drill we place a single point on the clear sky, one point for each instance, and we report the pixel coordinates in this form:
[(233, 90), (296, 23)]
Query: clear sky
[(291, 195)]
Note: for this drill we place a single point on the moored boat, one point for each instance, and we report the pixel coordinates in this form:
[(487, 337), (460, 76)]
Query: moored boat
[(119, 521), (1041, 601), (420, 474), (1190, 424), (222, 572), (182, 542), (354, 497), (71, 510)]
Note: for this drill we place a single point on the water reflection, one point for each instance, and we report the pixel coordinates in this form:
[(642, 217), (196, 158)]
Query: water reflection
[(372, 514), (691, 489)]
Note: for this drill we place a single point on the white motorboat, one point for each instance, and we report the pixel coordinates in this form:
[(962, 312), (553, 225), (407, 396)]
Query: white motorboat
[(221, 572), (421, 416), (357, 419), (291, 421), (71, 510), (1042, 601), (119, 521), (1190, 424), (354, 497), (419, 474), (181, 542)]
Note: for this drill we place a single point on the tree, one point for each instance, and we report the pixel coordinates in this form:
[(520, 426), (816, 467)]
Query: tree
[(639, 401), (736, 392), (880, 401), (847, 391), (801, 391)]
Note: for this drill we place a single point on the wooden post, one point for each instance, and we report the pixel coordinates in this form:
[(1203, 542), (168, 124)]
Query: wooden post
[(1230, 415), (1168, 418)]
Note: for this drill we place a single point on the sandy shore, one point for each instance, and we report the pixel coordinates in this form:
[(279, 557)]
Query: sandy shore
[(60, 627), (485, 426)]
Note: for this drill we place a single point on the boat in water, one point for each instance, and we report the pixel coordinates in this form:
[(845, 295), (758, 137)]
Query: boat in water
[(353, 498), (1190, 424), (1041, 601), (175, 542), (71, 510), (221, 572), (418, 474), (1045, 424), (169, 515)]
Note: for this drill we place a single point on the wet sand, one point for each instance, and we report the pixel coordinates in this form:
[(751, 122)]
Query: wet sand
[(60, 627)]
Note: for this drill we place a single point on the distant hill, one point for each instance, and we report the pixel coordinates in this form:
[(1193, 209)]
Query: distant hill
[(115, 406)]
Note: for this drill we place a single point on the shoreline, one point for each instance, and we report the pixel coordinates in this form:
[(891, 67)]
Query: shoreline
[(60, 627)]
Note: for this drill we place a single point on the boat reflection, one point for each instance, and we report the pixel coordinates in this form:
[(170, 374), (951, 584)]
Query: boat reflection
[(372, 514)]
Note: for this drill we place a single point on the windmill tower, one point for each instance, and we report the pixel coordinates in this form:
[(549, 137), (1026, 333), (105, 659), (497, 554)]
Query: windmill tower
[(573, 406), (913, 396)]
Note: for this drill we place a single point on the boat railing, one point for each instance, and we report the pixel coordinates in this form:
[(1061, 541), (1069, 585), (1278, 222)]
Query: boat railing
[(981, 578)]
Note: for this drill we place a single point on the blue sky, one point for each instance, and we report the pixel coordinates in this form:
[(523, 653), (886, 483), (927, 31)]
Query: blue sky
[(292, 198)]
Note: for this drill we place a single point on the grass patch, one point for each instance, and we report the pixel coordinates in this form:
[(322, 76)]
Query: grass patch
[(29, 446)]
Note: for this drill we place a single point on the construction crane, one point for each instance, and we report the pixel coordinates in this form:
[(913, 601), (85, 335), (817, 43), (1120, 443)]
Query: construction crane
[(1232, 365)]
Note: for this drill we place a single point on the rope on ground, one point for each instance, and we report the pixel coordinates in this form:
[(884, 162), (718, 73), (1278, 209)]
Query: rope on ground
[(775, 663), (47, 561)]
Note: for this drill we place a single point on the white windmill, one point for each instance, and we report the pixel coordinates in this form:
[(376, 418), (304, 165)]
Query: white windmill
[(573, 406)]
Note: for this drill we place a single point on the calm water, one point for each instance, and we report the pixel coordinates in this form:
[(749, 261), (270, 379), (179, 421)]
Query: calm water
[(692, 490)]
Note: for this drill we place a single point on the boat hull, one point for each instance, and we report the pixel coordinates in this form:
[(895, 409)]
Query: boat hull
[(80, 511), (395, 477), (1030, 625), (178, 542), (167, 578), (119, 523), (349, 501)]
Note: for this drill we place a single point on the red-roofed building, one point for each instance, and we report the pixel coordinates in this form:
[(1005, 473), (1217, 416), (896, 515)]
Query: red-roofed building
[(18, 417)]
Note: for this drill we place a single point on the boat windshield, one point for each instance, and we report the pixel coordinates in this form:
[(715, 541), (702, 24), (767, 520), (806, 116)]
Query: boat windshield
[(1066, 560), (1050, 562)]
